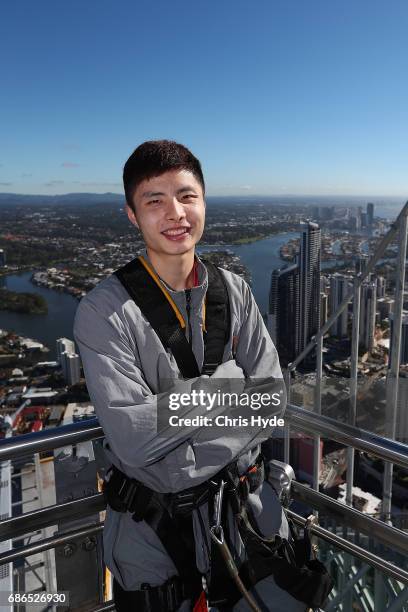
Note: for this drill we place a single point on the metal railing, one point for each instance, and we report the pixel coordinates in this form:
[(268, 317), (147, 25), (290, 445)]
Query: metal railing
[(49, 439)]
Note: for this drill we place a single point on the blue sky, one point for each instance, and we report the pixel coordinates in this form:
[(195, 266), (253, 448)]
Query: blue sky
[(274, 97)]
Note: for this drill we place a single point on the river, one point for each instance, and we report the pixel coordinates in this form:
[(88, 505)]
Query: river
[(261, 258), (57, 323)]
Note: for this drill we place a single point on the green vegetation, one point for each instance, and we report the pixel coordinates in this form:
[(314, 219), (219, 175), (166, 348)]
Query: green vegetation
[(251, 239), (42, 254), (27, 303)]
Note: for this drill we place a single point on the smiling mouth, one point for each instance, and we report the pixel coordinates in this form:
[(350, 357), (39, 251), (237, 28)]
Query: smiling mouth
[(176, 233)]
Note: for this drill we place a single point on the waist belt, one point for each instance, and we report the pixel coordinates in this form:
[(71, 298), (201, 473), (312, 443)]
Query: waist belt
[(164, 598), (125, 494), (170, 514)]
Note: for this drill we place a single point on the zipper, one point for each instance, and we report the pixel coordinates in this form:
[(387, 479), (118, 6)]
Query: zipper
[(188, 309)]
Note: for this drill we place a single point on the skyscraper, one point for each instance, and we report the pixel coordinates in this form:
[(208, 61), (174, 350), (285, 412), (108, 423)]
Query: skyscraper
[(283, 317), (324, 308), (71, 367), (64, 345), (2, 258), (370, 215), (404, 338), (381, 286), (361, 262), (384, 306), (359, 212), (339, 286), (309, 284), (367, 314)]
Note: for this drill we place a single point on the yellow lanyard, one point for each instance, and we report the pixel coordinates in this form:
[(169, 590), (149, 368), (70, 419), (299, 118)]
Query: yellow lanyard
[(167, 294)]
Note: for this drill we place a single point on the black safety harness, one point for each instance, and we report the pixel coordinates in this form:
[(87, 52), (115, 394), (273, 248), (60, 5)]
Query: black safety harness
[(157, 306), (170, 514)]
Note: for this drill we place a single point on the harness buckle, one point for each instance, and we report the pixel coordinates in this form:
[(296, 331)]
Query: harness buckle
[(184, 502), (120, 491)]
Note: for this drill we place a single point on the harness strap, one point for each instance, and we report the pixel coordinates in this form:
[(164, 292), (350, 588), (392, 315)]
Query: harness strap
[(223, 590), (158, 307), (164, 598), (217, 311), (289, 562)]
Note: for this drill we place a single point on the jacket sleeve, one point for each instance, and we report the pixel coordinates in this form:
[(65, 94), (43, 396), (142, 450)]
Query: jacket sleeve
[(165, 458), (255, 352), (125, 405)]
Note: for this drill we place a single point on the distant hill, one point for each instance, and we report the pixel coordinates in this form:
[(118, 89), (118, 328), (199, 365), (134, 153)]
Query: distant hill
[(7, 199), (69, 198)]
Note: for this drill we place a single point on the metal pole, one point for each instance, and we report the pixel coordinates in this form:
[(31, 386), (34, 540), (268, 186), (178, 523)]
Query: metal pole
[(48, 555), (56, 540), (318, 410), (51, 515), (393, 375), (27, 444), (397, 604), (383, 448), (353, 388), (361, 553), (286, 433), (351, 581), (389, 536)]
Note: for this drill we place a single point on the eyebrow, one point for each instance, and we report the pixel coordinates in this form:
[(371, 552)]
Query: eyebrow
[(153, 194)]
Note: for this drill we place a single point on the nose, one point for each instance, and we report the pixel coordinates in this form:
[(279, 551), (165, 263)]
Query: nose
[(175, 210)]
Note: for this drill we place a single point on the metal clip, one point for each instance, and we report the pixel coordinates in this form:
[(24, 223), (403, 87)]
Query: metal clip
[(218, 505), (311, 521)]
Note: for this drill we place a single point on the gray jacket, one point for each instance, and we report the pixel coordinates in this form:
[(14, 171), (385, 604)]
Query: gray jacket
[(125, 365)]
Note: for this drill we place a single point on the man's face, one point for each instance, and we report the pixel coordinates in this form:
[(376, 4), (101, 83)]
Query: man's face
[(169, 210)]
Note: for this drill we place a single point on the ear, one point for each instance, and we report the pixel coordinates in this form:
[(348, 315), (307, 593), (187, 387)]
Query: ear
[(131, 215)]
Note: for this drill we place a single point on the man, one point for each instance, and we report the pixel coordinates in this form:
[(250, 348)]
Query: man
[(129, 371)]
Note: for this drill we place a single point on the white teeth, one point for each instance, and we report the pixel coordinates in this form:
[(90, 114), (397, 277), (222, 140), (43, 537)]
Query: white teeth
[(176, 232)]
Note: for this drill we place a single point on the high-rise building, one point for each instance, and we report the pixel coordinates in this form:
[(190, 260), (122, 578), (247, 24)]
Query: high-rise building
[(384, 307), (71, 367), (283, 317), (404, 338), (359, 212), (324, 308), (370, 215), (2, 258), (339, 287), (64, 345), (309, 284), (367, 315), (361, 262), (381, 286), (324, 284)]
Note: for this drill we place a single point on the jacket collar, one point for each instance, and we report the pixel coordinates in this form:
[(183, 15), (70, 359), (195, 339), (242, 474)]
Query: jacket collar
[(197, 293)]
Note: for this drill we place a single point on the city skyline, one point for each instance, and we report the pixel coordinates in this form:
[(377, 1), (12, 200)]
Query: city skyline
[(284, 100)]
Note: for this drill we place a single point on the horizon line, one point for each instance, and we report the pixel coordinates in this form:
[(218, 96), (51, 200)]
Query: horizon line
[(233, 195)]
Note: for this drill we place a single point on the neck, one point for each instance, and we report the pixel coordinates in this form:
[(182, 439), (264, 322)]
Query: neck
[(176, 271)]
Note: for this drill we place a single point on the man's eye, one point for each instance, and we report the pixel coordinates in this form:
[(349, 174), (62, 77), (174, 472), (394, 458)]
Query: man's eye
[(153, 201), (189, 196)]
